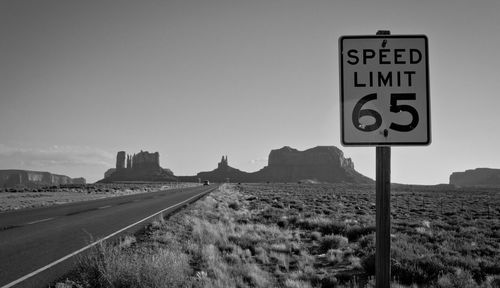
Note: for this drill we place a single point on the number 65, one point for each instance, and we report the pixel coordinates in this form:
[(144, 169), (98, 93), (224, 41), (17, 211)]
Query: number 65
[(357, 113)]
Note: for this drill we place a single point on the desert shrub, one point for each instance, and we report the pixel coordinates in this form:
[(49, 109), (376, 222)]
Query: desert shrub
[(234, 205), (246, 241), (333, 228), (478, 269), (405, 247), (280, 260), (421, 271), (291, 283), (295, 248), (111, 266), (215, 272), (353, 233), (283, 222), (310, 276), (329, 282), (156, 224), (292, 220), (458, 279), (68, 284), (254, 276), (315, 235), (165, 268), (232, 259), (332, 242), (367, 242), (270, 232), (277, 205), (164, 237), (261, 255), (270, 215), (334, 256), (205, 232), (280, 247), (127, 241), (490, 267), (368, 263), (324, 225), (355, 262), (413, 262), (495, 282), (464, 262)]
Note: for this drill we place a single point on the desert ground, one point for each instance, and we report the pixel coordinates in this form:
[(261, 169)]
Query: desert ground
[(306, 235), (20, 198)]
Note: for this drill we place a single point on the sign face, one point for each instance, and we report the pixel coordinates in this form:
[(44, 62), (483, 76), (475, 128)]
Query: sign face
[(384, 90)]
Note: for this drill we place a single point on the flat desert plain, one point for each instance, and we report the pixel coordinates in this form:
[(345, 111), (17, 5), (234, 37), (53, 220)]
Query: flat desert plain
[(307, 235), (14, 199)]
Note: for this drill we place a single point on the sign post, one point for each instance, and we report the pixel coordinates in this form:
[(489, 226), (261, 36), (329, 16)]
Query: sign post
[(383, 213), (384, 94), (383, 218)]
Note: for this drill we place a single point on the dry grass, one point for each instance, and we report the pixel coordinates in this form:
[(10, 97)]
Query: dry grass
[(115, 266)]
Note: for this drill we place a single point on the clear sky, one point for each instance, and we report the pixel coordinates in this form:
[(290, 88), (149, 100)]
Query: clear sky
[(198, 79)]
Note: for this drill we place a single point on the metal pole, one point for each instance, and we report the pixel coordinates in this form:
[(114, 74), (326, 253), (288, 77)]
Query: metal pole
[(383, 213)]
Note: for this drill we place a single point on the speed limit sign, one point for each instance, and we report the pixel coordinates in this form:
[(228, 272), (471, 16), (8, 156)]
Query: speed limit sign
[(384, 90)]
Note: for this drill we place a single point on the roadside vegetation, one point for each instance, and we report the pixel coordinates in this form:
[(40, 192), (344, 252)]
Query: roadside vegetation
[(303, 235)]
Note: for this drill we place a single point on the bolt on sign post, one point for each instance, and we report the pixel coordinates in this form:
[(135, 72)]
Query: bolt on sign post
[(384, 102)]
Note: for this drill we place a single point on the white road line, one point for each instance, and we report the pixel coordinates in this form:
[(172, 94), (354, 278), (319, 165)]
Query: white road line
[(38, 221), (104, 207), (91, 245)]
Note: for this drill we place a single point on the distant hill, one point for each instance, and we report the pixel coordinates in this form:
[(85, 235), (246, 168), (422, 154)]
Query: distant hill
[(26, 178), (319, 164), (476, 177)]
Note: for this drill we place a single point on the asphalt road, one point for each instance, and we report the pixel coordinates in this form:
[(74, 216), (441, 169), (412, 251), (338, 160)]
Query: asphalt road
[(34, 239)]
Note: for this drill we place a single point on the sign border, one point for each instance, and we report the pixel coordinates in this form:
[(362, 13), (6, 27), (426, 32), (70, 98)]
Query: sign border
[(341, 74)]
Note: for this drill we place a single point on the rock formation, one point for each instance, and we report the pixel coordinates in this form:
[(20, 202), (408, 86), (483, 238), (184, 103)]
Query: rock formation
[(140, 167), (120, 160), (109, 172), (145, 161), (319, 164), (79, 181), (224, 173), (223, 163), (25, 178), (476, 177)]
